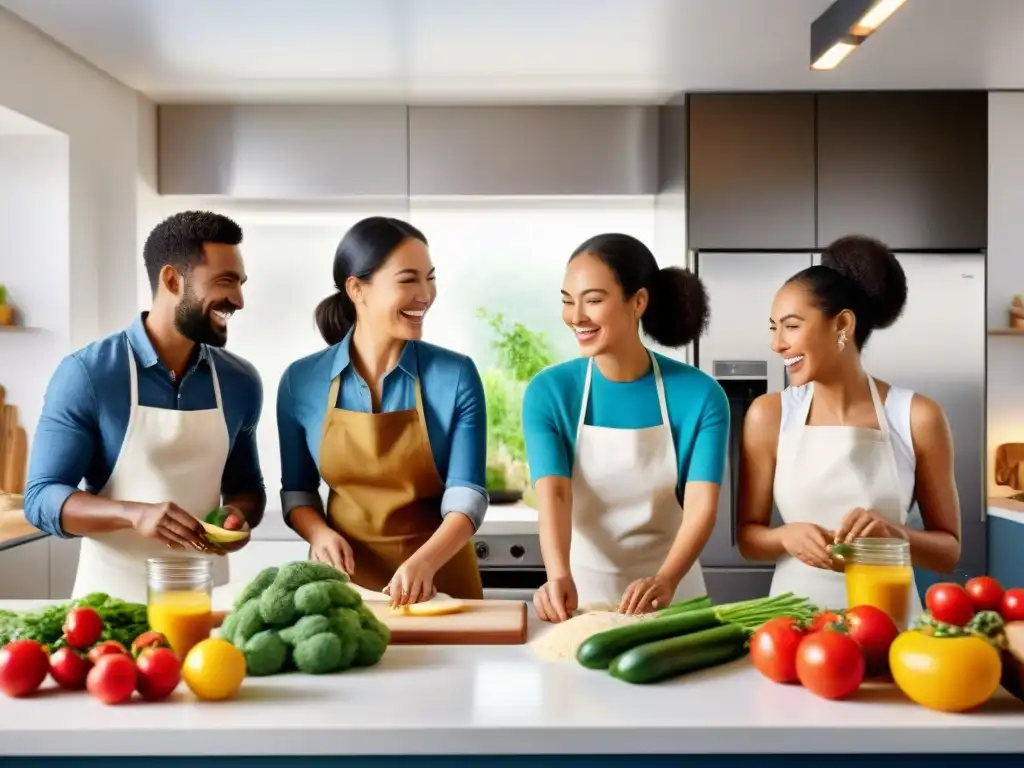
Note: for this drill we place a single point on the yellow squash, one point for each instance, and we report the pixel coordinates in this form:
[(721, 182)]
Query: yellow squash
[(949, 674), (433, 607)]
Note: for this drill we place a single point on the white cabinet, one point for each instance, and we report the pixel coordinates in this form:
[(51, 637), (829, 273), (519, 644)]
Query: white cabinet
[(25, 571)]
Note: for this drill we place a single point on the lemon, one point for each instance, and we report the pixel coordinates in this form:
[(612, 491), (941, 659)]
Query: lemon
[(214, 669)]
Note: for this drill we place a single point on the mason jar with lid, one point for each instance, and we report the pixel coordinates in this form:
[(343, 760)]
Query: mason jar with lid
[(180, 600), (879, 572)]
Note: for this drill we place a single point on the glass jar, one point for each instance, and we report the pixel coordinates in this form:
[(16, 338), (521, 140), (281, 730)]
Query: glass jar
[(180, 600), (878, 572)]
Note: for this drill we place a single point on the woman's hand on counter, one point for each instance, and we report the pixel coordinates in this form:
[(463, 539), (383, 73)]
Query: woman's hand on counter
[(808, 543), (646, 595), (329, 546), (866, 523), (413, 582), (556, 600)]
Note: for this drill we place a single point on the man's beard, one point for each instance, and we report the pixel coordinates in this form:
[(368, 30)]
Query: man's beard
[(194, 322)]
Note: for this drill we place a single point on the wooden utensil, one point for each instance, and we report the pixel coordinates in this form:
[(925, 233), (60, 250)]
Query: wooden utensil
[(481, 622), (1013, 659)]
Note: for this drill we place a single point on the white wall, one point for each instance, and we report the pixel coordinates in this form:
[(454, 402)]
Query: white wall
[(507, 256), (102, 120), (34, 240), (1005, 273)]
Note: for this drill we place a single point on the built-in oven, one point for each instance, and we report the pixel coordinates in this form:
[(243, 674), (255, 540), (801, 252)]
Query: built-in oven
[(511, 566), (737, 352)]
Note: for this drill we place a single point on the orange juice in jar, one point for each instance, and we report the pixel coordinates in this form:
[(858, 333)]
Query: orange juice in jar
[(180, 601), (879, 573)]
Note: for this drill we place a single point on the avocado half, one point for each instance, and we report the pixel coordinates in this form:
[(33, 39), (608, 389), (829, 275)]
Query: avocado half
[(212, 525)]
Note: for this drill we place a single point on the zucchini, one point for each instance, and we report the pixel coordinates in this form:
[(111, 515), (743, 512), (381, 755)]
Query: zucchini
[(675, 656), (598, 651)]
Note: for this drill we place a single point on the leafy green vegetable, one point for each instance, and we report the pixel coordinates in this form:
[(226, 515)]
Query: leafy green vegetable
[(122, 621), (522, 354)]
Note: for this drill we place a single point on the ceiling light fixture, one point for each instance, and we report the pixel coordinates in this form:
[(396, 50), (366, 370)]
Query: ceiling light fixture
[(845, 25)]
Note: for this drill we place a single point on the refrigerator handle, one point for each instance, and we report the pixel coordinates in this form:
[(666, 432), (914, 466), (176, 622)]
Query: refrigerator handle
[(735, 451)]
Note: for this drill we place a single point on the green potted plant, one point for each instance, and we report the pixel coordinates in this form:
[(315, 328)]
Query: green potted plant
[(522, 354)]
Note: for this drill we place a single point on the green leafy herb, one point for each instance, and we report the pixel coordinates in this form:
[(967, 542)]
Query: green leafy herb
[(522, 354), (122, 621)]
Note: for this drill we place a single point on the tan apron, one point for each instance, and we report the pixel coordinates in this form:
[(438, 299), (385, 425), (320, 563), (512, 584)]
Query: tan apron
[(625, 511), (821, 473), (385, 496), (166, 455)]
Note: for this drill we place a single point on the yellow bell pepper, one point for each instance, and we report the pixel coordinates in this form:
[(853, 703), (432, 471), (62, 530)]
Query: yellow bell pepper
[(949, 674)]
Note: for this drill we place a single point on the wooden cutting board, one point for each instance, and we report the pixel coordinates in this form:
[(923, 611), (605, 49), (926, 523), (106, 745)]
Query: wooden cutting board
[(481, 622)]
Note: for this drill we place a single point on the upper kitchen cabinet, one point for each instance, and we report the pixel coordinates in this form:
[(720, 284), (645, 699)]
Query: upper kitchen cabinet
[(910, 168), (285, 151), (537, 150), (751, 171)]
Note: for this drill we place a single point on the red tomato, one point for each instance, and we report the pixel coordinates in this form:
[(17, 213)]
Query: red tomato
[(773, 649), (112, 679), (232, 523), (949, 603), (830, 664), (105, 648), (24, 665), (82, 627), (1012, 608), (149, 639), (823, 618), (873, 630), (985, 592), (68, 668), (159, 673)]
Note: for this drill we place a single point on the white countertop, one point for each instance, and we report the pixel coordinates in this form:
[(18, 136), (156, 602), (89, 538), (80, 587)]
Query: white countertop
[(1008, 509), (500, 700)]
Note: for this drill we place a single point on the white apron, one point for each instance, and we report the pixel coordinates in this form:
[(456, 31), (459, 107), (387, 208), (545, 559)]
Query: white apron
[(167, 456), (822, 473), (625, 513)]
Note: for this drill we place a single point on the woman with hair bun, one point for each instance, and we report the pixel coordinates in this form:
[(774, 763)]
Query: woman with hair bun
[(396, 427), (843, 455), (622, 440)]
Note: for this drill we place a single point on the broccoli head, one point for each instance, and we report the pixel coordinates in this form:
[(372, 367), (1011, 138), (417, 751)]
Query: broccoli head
[(265, 653), (256, 587), (277, 606), (304, 628), (294, 575), (304, 616)]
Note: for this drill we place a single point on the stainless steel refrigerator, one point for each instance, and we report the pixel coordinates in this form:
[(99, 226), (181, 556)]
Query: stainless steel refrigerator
[(936, 348)]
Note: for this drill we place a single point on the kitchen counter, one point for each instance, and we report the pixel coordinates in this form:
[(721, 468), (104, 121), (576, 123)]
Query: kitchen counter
[(16, 530), (1007, 509), (501, 700)]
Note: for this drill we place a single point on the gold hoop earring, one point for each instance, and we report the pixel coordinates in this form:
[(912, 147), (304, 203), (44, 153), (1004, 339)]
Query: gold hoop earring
[(842, 340)]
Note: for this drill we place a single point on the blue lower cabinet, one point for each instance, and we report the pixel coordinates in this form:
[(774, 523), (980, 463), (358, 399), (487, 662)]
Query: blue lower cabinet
[(1005, 546)]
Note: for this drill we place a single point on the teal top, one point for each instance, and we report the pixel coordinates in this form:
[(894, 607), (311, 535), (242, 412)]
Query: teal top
[(698, 412)]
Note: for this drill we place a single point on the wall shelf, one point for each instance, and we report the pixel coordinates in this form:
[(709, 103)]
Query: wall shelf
[(1006, 331), (18, 329)]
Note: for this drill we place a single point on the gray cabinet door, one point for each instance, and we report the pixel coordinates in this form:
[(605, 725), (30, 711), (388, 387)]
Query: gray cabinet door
[(910, 168), (751, 171)]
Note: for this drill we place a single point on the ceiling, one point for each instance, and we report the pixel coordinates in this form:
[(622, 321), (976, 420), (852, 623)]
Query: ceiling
[(471, 51)]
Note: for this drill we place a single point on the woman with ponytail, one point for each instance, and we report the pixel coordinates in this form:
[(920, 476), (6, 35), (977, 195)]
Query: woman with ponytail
[(626, 447), (395, 427), (841, 454)]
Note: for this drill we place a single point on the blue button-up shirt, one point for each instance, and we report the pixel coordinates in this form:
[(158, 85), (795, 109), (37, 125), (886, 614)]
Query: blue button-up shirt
[(453, 403), (86, 409)]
